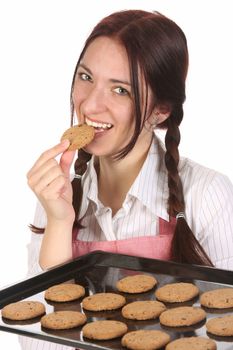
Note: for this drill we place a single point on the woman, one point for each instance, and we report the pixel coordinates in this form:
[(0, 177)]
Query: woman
[(130, 80), (137, 196)]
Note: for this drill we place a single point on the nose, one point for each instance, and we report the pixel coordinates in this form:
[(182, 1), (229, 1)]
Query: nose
[(94, 102)]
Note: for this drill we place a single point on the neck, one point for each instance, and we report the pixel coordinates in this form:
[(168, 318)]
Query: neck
[(117, 176)]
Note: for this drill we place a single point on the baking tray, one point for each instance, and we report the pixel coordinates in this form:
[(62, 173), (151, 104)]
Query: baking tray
[(98, 272)]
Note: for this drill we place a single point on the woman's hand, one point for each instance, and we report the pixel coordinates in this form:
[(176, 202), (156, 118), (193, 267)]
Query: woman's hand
[(49, 179)]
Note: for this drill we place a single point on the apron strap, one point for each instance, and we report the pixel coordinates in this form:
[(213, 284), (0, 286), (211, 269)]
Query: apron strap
[(167, 227)]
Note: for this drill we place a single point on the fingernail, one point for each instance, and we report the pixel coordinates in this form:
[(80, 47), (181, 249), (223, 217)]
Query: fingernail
[(65, 142)]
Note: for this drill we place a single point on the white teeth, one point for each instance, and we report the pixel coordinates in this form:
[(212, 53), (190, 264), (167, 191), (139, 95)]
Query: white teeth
[(98, 125)]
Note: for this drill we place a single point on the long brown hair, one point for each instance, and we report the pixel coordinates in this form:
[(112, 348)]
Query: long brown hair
[(157, 47)]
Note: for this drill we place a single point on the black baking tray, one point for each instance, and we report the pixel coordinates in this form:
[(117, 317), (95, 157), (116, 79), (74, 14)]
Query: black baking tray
[(98, 272)]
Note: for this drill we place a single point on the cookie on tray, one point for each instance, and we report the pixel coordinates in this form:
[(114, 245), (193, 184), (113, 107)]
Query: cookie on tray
[(103, 302), (104, 329), (145, 339), (219, 298), (143, 310), (79, 136), (192, 343), (23, 310), (64, 292), (182, 316), (177, 292), (136, 284), (222, 326), (63, 319)]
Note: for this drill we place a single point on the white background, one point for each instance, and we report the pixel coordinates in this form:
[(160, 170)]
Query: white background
[(40, 42)]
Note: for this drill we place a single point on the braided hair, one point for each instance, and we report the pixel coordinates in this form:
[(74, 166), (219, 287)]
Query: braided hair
[(80, 166), (185, 247)]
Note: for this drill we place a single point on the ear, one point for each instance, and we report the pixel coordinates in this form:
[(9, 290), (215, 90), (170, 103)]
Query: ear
[(161, 113)]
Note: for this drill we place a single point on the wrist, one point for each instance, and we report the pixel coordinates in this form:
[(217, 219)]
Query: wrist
[(59, 225)]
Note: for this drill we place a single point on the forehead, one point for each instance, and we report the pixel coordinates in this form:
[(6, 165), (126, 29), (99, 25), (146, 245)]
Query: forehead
[(107, 56)]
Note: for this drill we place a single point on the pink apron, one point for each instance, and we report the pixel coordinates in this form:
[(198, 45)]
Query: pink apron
[(154, 247)]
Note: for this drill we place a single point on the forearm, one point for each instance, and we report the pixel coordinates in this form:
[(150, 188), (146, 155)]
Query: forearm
[(56, 247)]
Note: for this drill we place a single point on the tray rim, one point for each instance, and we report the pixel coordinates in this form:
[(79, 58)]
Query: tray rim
[(63, 272), (22, 289)]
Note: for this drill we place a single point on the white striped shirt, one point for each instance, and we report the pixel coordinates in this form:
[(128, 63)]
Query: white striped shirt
[(209, 208), (208, 198)]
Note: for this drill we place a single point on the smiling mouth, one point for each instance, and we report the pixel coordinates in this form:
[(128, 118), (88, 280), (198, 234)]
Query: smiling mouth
[(98, 125)]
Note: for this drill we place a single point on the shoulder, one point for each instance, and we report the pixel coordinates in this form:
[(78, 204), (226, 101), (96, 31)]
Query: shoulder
[(196, 177), (208, 198), (207, 193)]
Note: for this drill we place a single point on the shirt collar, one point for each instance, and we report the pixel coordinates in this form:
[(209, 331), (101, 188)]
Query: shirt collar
[(150, 186), (90, 187)]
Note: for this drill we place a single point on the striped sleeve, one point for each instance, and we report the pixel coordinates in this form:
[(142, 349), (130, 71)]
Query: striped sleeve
[(216, 221), (35, 242), (28, 343)]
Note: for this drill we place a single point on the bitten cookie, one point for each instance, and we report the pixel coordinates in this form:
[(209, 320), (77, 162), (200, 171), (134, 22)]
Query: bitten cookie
[(182, 316), (23, 310), (192, 343), (221, 326), (63, 320), (218, 298), (145, 339), (103, 330), (103, 302), (143, 310), (79, 136), (136, 284), (177, 292), (64, 292)]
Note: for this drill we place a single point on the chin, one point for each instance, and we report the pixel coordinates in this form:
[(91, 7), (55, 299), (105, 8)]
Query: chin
[(98, 151)]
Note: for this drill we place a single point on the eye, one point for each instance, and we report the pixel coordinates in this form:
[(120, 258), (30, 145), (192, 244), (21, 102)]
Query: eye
[(84, 76), (121, 91)]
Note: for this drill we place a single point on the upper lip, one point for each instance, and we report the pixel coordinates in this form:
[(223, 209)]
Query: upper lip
[(97, 123)]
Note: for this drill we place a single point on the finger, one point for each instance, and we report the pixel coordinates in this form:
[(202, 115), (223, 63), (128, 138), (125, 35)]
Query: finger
[(45, 180), (49, 154), (36, 174), (55, 189), (66, 161)]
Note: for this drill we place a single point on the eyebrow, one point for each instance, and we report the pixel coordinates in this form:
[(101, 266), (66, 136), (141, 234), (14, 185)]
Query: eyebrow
[(111, 80)]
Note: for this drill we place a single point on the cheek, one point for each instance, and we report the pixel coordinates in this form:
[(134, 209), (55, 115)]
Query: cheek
[(127, 124), (77, 98), (130, 118), (80, 92)]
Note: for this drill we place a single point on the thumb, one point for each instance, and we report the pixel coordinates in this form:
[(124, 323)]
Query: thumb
[(66, 161)]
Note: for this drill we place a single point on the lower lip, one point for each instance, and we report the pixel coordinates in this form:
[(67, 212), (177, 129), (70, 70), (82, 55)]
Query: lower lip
[(101, 132)]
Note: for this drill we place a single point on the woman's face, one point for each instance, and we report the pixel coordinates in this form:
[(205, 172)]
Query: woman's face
[(102, 96)]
